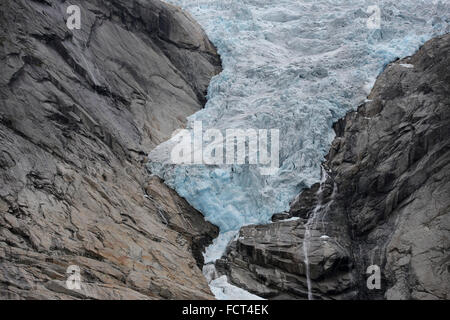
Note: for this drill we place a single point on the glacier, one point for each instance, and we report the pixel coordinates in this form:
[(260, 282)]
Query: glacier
[(293, 65)]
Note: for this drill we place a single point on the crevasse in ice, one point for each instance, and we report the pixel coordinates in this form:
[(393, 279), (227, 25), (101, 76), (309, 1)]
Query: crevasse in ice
[(295, 65)]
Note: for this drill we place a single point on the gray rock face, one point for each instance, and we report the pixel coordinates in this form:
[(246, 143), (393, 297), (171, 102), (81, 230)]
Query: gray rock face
[(79, 112), (385, 200)]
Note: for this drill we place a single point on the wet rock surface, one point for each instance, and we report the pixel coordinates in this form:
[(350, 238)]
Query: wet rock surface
[(385, 200), (79, 112)]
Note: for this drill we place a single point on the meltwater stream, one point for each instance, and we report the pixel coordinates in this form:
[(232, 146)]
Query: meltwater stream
[(296, 66), (317, 216)]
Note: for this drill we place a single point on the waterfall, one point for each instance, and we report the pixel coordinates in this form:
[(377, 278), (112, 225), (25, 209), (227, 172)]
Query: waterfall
[(310, 224), (306, 260), (319, 214)]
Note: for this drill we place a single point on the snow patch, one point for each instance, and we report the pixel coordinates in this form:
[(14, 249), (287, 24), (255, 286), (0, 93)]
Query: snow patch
[(223, 290)]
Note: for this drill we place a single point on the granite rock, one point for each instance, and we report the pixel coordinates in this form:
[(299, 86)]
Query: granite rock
[(79, 112)]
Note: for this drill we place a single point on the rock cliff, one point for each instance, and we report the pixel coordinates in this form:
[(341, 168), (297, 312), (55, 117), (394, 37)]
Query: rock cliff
[(384, 200), (79, 112)]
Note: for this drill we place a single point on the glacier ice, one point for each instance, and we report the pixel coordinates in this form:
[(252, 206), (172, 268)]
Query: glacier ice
[(295, 65)]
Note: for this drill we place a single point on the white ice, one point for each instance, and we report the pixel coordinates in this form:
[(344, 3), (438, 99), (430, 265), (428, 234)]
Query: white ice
[(223, 290)]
